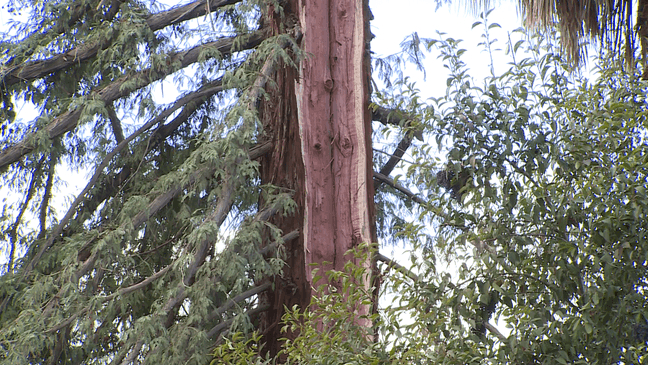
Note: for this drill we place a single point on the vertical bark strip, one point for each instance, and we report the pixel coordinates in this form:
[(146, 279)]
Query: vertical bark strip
[(319, 121), (331, 98)]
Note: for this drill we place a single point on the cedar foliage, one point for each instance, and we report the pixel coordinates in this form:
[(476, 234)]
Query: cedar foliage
[(161, 251)]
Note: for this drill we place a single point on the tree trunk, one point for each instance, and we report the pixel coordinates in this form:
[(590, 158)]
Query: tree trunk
[(319, 121)]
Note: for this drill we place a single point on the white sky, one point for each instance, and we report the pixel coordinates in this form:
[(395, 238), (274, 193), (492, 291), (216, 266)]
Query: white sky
[(393, 23)]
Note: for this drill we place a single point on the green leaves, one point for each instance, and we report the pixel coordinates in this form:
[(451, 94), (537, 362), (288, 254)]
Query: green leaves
[(553, 214)]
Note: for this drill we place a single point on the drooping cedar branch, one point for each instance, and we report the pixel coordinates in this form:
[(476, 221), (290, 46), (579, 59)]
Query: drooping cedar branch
[(162, 200), (142, 284), (36, 69), (151, 209), (181, 295), (119, 292), (251, 96), (68, 120), (225, 200), (254, 94), (190, 103), (210, 89), (78, 13), (219, 215)]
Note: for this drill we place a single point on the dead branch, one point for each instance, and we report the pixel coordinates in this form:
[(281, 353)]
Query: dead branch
[(384, 179), (395, 117), (396, 266)]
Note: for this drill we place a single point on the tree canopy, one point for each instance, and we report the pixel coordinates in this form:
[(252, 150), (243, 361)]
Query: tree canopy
[(522, 197)]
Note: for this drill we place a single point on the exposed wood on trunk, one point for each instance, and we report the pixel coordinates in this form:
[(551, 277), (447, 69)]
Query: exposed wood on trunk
[(320, 124)]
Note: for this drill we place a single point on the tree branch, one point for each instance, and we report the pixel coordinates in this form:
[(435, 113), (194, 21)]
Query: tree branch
[(13, 229), (237, 299), (494, 331), (201, 254), (218, 329), (115, 123), (217, 85), (402, 147), (129, 289), (396, 266), (271, 247), (384, 179), (151, 209), (192, 102), (119, 292), (68, 120), (394, 117), (27, 71)]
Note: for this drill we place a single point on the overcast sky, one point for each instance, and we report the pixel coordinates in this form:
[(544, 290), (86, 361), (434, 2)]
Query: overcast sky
[(392, 23)]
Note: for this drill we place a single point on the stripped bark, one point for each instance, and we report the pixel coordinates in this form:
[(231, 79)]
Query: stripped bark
[(319, 121)]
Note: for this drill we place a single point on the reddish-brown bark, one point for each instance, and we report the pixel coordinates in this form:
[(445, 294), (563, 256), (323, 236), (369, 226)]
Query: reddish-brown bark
[(320, 125)]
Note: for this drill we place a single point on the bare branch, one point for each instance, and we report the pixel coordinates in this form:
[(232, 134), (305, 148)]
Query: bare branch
[(384, 179), (396, 266), (394, 117)]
